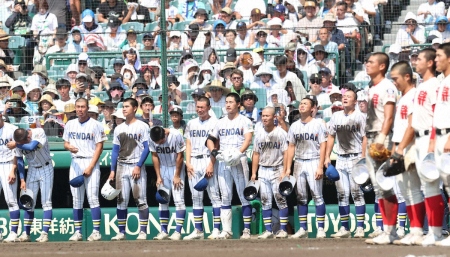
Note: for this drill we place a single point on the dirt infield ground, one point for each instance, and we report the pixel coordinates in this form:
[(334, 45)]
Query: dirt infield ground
[(229, 248)]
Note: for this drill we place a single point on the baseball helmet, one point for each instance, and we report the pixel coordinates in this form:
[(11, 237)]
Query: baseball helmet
[(251, 190), (287, 185), (428, 171), (331, 173), (26, 200), (360, 172), (108, 191), (367, 186), (201, 184), (162, 195), (445, 163), (77, 181), (248, 92), (385, 183), (231, 157)]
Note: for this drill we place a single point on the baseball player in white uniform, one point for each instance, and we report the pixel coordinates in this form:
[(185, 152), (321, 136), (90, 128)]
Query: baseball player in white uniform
[(199, 165), (401, 75), (307, 143), (84, 138), (8, 179), (167, 147), (130, 150), (410, 183), (380, 116), (348, 126), (269, 150), (441, 126), (234, 131), (33, 145)]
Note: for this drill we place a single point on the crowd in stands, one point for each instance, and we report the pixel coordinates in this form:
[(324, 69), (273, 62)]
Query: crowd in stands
[(277, 51)]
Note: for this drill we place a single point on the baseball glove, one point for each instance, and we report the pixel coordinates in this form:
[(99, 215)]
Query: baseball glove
[(394, 165), (377, 155)]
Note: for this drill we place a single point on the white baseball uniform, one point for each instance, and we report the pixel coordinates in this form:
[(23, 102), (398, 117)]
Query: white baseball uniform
[(349, 131), (379, 95), (40, 169), (84, 136), (231, 136), (442, 124), (404, 108), (167, 154), (271, 147), (197, 132), (307, 138), (422, 122), (131, 138), (6, 163)]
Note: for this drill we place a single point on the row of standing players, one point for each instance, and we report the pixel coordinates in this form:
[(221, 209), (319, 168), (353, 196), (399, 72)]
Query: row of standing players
[(307, 145)]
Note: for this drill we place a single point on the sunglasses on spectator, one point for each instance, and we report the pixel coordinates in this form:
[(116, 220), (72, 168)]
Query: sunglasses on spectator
[(215, 89), (411, 22), (261, 35), (245, 98), (4, 41), (315, 81), (175, 37), (82, 63), (301, 52), (442, 23), (149, 39), (236, 78)]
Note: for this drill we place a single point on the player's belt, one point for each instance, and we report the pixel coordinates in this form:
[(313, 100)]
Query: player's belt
[(201, 156), (441, 132), (128, 163), (348, 155), (372, 134), (272, 167), (305, 160), (5, 162), (421, 133), (45, 164), (81, 157)]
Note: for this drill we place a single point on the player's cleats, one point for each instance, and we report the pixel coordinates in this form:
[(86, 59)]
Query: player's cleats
[(376, 232), (175, 236), (444, 242), (385, 238), (195, 235), (76, 236), (410, 239), (95, 236), (342, 233), (301, 233), (42, 238), (246, 234), (161, 236), (12, 237), (118, 237), (214, 234), (431, 239), (225, 235), (281, 234), (359, 232), (1, 237), (24, 237), (142, 236), (265, 235), (320, 233), (401, 232)]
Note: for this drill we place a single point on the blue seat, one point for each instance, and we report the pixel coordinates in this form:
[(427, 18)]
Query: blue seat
[(16, 42), (151, 26), (360, 84), (185, 103), (137, 26), (155, 93), (127, 94)]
